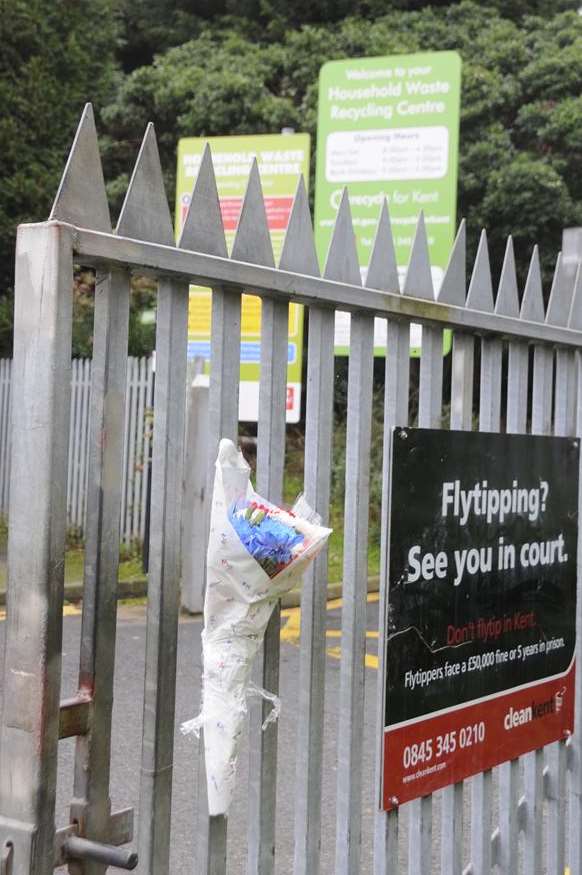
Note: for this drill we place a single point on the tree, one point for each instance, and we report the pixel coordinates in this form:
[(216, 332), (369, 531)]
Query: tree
[(211, 67), (521, 117), (55, 56)]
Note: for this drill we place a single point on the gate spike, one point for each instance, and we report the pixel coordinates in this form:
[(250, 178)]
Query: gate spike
[(252, 241), (480, 294), (507, 303), (418, 280), (341, 263), (575, 318), (532, 306), (298, 253), (145, 214), (81, 198), (560, 295), (202, 230), (453, 289), (382, 270)]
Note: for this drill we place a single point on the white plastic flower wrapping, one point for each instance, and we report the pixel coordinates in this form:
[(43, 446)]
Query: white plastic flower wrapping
[(256, 553)]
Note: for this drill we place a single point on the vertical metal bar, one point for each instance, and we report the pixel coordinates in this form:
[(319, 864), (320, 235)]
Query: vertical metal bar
[(71, 446), (565, 394), (355, 576), (223, 423), (396, 395), (79, 445), (420, 835), (430, 394), (139, 455), (481, 793), (575, 783), (462, 381), (85, 438), (508, 852), (194, 509), (5, 412), (516, 418), (517, 387), (481, 784), (5, 415), (534, 762), (76, 422), (124, 500), (149, 402), (163, 578), (224, 372), (533, 766), (85, 427), (29, 728), (318, 436), (132, 457), (429, 416), (556, 811), (541, 415), (91, 805), (270, 467), (452, 830), (461, 418), (490, 385), (5, 433), (4, 385), (564, 425)]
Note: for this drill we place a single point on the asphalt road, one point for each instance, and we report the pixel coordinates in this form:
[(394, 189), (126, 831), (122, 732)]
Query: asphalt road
[(126, 741)]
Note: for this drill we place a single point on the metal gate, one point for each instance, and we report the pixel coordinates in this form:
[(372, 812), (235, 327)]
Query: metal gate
[(533, 799)]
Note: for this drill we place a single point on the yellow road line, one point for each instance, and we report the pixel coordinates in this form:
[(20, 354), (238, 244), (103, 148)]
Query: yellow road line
[(291, 631), (71, 611), (337, 633), (370, 661), (68, 611)]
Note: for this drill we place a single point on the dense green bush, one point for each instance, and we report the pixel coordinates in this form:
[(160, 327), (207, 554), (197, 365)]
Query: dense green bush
[(521, 110), (243, 66)]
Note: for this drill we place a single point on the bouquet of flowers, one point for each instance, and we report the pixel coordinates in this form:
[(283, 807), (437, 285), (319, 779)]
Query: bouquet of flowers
[(256, 553)]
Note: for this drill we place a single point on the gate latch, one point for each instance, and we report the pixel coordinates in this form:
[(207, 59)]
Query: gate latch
[(76, 848)]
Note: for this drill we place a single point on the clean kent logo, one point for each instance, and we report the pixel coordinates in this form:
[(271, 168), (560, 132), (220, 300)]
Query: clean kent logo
[(519, 717)]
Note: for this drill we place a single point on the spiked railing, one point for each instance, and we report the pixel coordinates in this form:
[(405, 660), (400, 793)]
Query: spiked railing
[(79, 229)]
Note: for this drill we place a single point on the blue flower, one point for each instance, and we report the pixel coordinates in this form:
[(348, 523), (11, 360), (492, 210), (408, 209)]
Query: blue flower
[(268, 540)]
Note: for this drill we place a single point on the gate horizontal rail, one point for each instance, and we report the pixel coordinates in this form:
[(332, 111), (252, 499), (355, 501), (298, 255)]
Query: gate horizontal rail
[(530, 798), (102, 250)]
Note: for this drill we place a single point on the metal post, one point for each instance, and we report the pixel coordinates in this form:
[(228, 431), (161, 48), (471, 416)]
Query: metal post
[(194, 505), (29, 729), (572, 259), (223, 422), (91, 805), (164, 578)]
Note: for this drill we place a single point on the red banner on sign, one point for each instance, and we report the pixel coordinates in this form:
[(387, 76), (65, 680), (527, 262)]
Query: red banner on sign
[(277, 209), (433, 752)]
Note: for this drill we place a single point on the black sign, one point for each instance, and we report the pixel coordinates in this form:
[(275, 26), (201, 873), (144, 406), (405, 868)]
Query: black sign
[(482, 601)]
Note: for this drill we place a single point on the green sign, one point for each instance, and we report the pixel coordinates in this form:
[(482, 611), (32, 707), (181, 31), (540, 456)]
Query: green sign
[(281, 159), (389, 128)]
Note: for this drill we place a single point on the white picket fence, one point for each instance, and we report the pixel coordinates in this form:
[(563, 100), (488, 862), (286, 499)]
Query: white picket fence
[(138, 426)]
